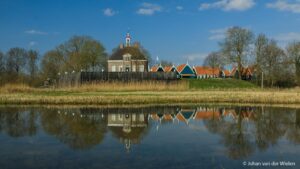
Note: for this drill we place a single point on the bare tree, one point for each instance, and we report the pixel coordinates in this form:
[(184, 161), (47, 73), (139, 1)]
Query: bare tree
[(272, 62), (52, 64), (261, 44), (2, 62), (236, 46), (293, 51), (32, 64), (16, 59), (214, 60), (2, 68)]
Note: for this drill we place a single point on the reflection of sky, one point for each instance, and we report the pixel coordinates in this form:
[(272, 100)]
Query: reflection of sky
[(173, 145)]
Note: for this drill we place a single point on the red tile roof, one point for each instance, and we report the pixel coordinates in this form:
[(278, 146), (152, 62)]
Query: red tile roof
[(168, 68), (154, 116), (227, 73), (180, 117), (168, 117), (153, 69), (206, 115), (180, 67), (201, 70)]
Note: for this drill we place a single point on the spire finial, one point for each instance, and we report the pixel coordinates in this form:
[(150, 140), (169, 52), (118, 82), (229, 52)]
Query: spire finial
[(128, 38)]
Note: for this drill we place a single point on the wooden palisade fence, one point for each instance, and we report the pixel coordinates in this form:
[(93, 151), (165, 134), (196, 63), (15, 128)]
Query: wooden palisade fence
[(74, 79)]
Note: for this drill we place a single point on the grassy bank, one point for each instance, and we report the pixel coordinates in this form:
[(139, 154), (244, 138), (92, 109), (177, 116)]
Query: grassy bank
[(146, 93), (220, 84)]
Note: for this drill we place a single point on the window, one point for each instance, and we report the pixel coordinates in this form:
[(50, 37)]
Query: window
[(126, 57), (141, 68), (113, 117), (113, 68), (141, 117), (133, 68), (121, 69)]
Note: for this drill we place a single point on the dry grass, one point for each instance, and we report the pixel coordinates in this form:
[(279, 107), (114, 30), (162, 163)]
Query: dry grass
[(143, 93), (106, 86)]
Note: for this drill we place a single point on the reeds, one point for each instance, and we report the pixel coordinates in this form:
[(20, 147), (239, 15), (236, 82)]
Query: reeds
[(104, 86), (143, 93)]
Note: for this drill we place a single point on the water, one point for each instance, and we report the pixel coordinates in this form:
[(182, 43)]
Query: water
[(150, 137)]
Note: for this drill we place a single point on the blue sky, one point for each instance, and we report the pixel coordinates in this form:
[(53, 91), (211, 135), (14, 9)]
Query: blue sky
[(175, 30)]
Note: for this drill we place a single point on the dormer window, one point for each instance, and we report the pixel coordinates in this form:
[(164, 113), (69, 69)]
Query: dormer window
[(127, 57)]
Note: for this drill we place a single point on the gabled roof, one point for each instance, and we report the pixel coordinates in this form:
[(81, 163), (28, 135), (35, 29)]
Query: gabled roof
[(168, 117), (170, 68), (154, 116), (245, 71), (206, 115), (134, 51), (185, 70), (156, 68), (227, 73), (181, 67), (180, 117), (201, 70)]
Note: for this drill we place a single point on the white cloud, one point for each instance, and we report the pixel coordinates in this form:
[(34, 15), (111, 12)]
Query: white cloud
[(149, 9), (284, 5), (218, 34), (35, 32), (229, 5), (179, 8), (109, 12), (288, 37), (32, 43), (195, 58)]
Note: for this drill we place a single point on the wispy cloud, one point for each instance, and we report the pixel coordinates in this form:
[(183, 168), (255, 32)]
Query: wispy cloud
[(288, 37), (218, 34), (109, 12), (149, 9), (36, 32), (179, 8), (284, 5), (32, 43), (228, 5), (195, 58)]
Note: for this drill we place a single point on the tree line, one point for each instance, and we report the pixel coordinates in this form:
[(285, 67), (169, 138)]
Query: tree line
[(272, 64), (79, 53)]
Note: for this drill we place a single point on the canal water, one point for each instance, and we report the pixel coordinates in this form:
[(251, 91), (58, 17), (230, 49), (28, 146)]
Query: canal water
[(157, 137)]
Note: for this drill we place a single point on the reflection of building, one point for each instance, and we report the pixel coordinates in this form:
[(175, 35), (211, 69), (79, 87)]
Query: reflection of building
[(129, 127)]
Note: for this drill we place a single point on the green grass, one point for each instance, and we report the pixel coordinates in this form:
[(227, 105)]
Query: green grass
[(219, 84)]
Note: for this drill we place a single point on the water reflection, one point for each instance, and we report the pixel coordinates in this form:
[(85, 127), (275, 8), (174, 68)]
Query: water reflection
[(241, 130)]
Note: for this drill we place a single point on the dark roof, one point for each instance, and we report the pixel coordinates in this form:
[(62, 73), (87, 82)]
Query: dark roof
[(135, 53)]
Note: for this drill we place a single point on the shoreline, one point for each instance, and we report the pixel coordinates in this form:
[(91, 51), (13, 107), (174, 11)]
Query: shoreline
[(269, 97), (55, 106)]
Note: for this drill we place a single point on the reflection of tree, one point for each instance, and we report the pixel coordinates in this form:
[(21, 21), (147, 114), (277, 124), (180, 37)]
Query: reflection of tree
[(17, 123), (270, 125), (293, 133), (235, 138), (74, 129), (234, 134)]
